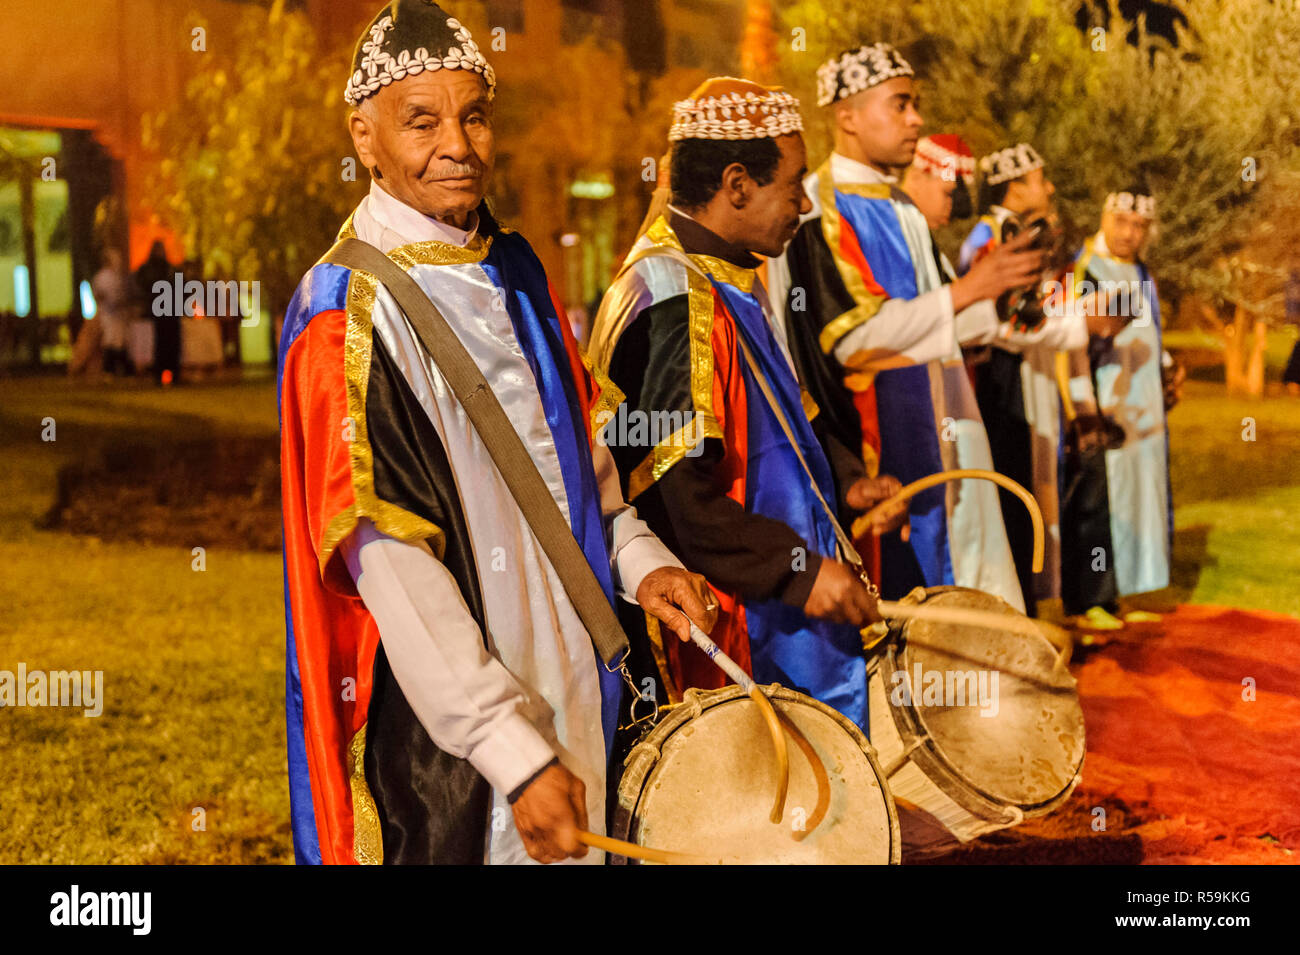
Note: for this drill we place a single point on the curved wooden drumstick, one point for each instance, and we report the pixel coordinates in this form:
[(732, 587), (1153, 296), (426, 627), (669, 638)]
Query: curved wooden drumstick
[(863, 524), (644, 853), (982, 618), (746, 683)]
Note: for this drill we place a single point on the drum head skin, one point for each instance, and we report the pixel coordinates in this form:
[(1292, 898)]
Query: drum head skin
[(703, 781), (1005, 720)]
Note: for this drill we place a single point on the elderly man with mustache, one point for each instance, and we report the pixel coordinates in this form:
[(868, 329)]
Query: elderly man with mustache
[(444, 699)]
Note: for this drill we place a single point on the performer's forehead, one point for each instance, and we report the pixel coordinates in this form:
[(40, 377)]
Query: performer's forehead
[(434, 92), (1129, 218), (899, 89)]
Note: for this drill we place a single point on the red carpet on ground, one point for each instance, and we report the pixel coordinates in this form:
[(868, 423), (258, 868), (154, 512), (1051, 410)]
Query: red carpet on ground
[(1172, 729), (1186, 766)]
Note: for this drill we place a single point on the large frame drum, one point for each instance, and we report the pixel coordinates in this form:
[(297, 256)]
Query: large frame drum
[(962, 767), (702, 782)]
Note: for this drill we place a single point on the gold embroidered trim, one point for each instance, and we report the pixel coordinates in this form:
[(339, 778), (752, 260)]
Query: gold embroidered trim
[(704, 423), (441, 253), (669, 451), (1081, 267), (869, 190), (871, 460), (992, 223), (367, 839), (608, 400), (722, 270), (810, 408), (837, 328), (431, 252), (389, 518), (1062, 368), (661, 233), (661, 659), (700, 299), (867, 303)]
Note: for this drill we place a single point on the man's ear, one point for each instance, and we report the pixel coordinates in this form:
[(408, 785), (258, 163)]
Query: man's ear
[(362, 138), (846, 117), (736, 185)]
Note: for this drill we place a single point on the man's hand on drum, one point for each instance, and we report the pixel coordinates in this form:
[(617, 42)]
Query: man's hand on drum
[(549, 813), (866, 493), (676, 597), (839, 594)]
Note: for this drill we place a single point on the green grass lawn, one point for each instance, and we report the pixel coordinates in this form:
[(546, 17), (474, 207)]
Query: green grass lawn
[(193, 661), (1236, 501)]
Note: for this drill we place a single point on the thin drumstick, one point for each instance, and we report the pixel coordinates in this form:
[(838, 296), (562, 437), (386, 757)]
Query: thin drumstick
[(982, 618), (863, 524), (644, 853), (743, 680)]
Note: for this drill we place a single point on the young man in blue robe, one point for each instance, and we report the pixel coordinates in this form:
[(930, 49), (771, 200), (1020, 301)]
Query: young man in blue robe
[(872, 327), (687, 333)]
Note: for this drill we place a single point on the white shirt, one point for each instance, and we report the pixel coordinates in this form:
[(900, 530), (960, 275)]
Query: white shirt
[(919, 329), (507, 723)]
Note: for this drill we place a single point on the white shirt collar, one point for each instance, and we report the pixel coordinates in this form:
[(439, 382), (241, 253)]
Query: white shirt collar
[(846, 170), (1099, 246), (1001, 213), (386, 221)]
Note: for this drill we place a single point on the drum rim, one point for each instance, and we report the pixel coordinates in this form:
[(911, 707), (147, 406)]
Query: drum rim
[(694, 702), (933, 762)]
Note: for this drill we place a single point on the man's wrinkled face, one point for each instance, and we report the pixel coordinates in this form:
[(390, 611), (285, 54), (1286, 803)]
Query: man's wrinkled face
[(770, 218), (932, 195), (1125, 233), (430, 138), (885, 121)]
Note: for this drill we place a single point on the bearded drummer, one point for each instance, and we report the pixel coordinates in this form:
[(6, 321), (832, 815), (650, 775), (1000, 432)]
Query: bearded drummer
[(687, 332)]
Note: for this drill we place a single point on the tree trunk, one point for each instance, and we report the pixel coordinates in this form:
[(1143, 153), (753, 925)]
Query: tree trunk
[(1254, 378), (1234, 344)]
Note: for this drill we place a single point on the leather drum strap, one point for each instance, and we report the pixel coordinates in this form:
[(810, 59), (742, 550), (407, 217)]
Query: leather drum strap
[(502, 442)]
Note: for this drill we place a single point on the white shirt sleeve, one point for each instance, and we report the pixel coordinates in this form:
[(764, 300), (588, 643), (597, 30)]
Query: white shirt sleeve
[(920, 329), (465, 698), (778, 287), (1063, 331), (978, 324), (634, 550), (1082, 393)]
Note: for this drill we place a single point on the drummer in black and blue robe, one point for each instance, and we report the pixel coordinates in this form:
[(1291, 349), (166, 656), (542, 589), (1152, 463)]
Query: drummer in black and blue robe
[(722, 484), (1014, 365)]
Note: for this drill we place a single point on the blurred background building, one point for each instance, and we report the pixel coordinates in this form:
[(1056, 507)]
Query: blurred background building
[(83, 76)]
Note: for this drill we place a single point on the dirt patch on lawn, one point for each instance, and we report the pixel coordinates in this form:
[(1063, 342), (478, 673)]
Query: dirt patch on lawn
[(217, 492)]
